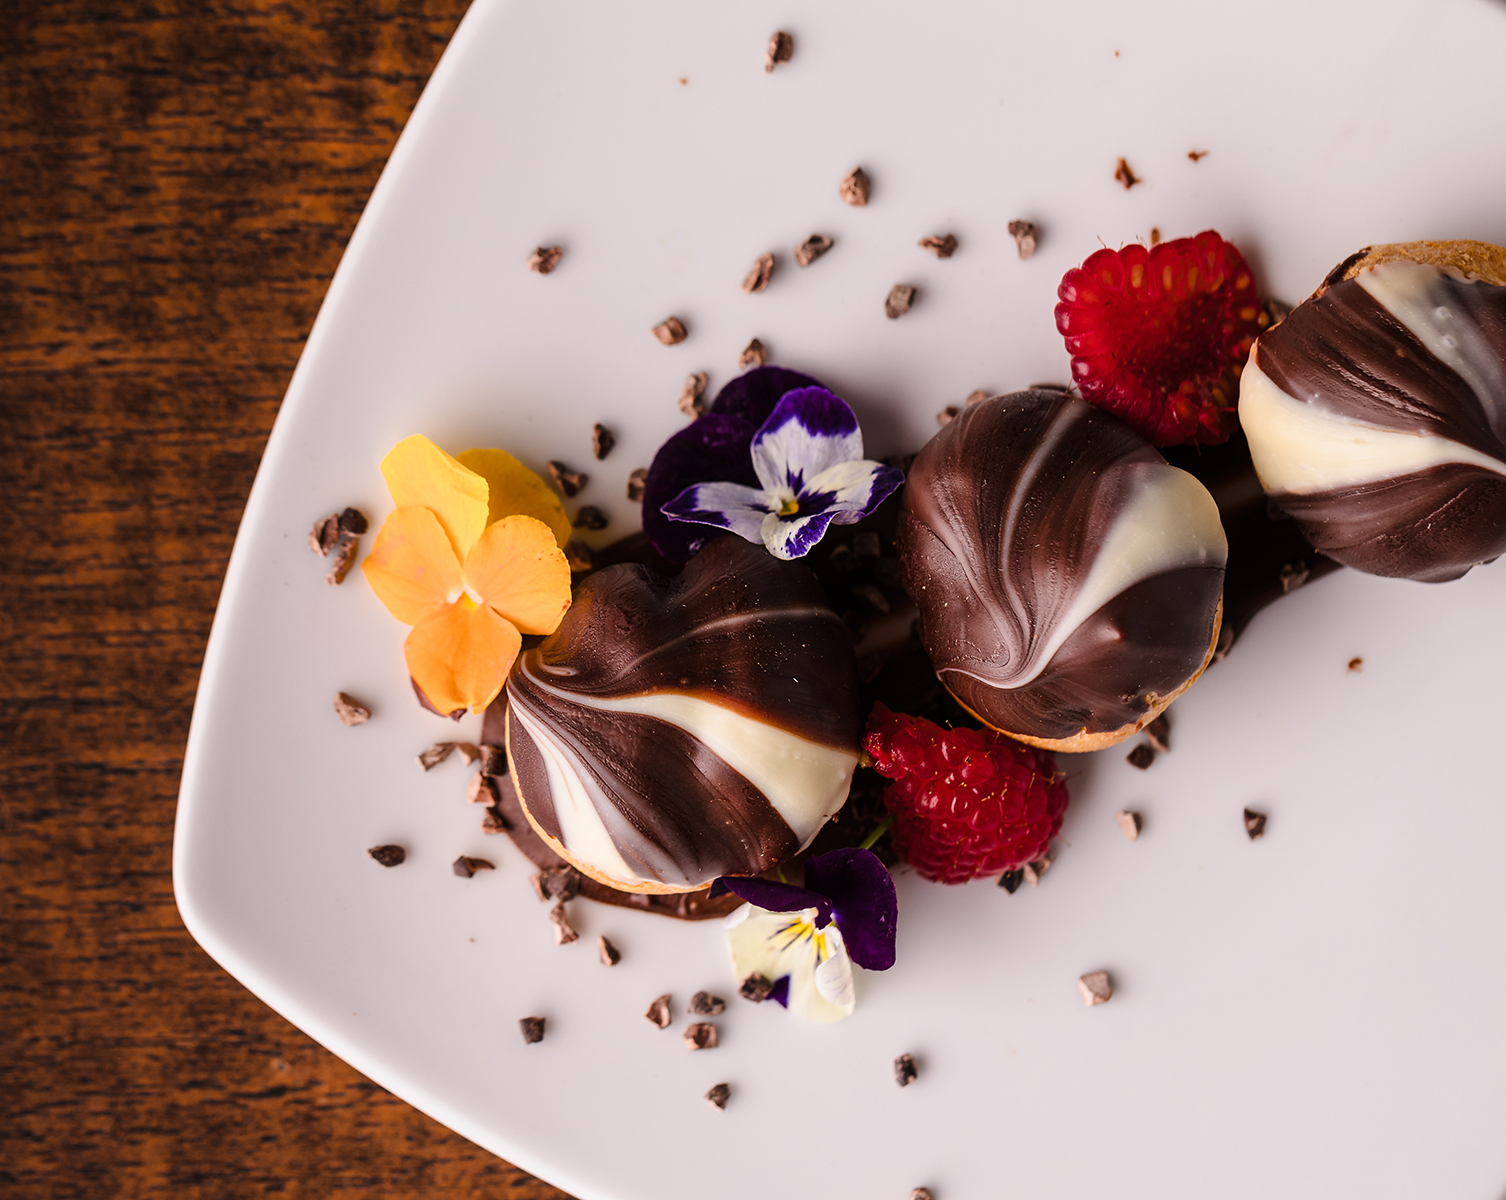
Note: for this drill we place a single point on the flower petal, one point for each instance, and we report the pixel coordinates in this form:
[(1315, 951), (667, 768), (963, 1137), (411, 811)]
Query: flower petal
[(774, 896), (833, 977), (517, 569), (851, 490), (412, 566), (419, 473), (460, 656), (863, 897), (712, 448), (515, 490), (779, 944), (730, 506), (753, 394), (793, 537), (809, 431)]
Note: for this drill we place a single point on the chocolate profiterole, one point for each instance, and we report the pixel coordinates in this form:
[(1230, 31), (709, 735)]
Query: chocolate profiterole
[(1069, 580), (674, 729), (1376, 412)]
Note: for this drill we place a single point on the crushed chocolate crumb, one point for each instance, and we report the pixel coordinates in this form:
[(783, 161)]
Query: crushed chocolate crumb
[(324, 535), (538, 887), (920, 1194), (756, 988), (780, 49), (692, 395), (468, 753), (1273, 312), (898, 302), (635, 483), (1155, 237), (719, 1094), (1023, 233), (1129, 824), (1141, 756), (351, 710), (564, 932), (855, 188), (905, 1070), (758, 278), (493, 758), (345, 557), (658, 1011), (976, 396), (753, 355), (1158, 734), (568, 481), (941, 247), (699, 1036), (353, 522), (947, 415), (867, 544), (602, 440), (466, 867), (811, 249), (435, 755), (562, 882), (1294, 575), (1124, 175), (704, 1004), (545, 258), (1032, 871), (1195, 155), (481, 790), (388, 856), (1095, 988), (1010, 881), (1356, 664), (670, 331), (1254, 824), (609, 955), (579, 557), (843, 559), (495, 821), (873, 596), (533, 1029), (592, 518)]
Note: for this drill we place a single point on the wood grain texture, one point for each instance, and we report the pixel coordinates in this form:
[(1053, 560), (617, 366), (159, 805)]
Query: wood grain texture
[(178, 183)]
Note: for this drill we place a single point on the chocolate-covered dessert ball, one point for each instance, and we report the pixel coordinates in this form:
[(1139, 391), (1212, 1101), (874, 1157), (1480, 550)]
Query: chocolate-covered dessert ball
[(1069, 580), (1376, 412), (674, 729)]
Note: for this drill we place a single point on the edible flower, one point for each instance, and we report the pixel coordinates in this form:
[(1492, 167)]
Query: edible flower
[(808, 458), (471, 559), (805, 940)]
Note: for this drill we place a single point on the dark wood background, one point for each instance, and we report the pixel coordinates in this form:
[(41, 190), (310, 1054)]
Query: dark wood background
[(177, 183)]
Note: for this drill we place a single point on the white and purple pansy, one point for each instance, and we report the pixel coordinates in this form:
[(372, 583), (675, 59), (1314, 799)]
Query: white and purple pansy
[(808, 457), (805, 940)]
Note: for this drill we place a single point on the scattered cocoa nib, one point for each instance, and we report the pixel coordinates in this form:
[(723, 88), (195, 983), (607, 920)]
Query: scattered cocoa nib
[(781, 47), (608, 953), (1158, 734), (545, 259), (1356, 664), (811, 249), (904, 1070), (1273, 312), (602, 441), (756, 988), (466, 867), (1129, 824), (1293, 576), (855, 188), (843, 559), (635, 485), (1195, 155), (1010, 881), (388, 856), (758, 278), (533, 1029), (1023, 233), (692, 403), (435, 755), (579, 557), (658, 1011), (1155, 236), (1124, 175), (947, 415), (538, 887), (493, 758), (867, 544), (704, 1004), (564, 932), (1033, 871), (568, 481), (670, 331), (468, 753), (350, 710), (495, 821), (1254, 824), (976, 396), (753, 355), (480, 789), (345, 557), (561, 883), (1095, 988), (699, 1036), (1141, 756), (353, 522), (872, 595), (920, 1194), (719, 1094), (592, 518), (900, 297), (324, 535), (942, 247)]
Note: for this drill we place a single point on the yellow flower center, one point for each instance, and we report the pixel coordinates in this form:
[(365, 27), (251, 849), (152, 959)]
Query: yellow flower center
[(788, 508)]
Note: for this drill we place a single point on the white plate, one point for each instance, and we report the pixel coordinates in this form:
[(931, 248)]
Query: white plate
[(1313, 1015)]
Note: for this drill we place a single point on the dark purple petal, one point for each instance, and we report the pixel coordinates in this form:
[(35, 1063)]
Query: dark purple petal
[(713, 448), (864, 901), (753, 394), (820, 413), (778, 897), (780, 992)]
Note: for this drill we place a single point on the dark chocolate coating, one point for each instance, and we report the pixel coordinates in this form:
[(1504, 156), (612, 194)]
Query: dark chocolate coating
[(1004, 514)]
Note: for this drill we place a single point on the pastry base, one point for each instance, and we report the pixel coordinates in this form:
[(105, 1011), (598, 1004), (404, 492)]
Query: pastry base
[(1473, 260)]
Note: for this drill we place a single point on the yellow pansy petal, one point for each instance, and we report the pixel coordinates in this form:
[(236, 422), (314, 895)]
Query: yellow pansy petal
[(419, 473), (412, 567), (460, 656), (516, 490), (517, 569)]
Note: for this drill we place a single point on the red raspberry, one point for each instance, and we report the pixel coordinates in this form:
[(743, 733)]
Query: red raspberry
[(1158, 337), (966, 802)]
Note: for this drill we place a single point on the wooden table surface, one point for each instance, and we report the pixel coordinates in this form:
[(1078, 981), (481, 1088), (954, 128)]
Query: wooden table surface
[(178, 183)]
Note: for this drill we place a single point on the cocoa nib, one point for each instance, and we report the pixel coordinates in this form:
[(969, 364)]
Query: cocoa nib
[(719, 1094), (904, 1070), (495, 821), (1195, 155), (545, 258), (564, 932), (557, 883), (579, 557), (920, 1194), (1254, 824), (704, 1004), (976, 396), (388, 856), (608, 953), (635, 485), (699, 1036), (1034, 870), (756, 988), (898, 302), (941, 247), (758, 278), (1356, 664), (493, 758), (435, 755), (1124, 175), (533, 1029), (753, 355), (590, 517), (1158, 734), (691, 402), (811, 249), (568, 481), (1023, 233), (780, 49), (468, 753), (324, 534), (1095, 988), (602, 441), (345, 557), (351, 710), (1129, 824), (1141, 756), (481, 790), (1294, 575), (670, 331), (658, 1011), (467, 867), (855, 188), (1010, 881), (947, 415)]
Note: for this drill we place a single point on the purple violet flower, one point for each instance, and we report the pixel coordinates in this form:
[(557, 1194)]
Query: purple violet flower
[(808, 457)]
